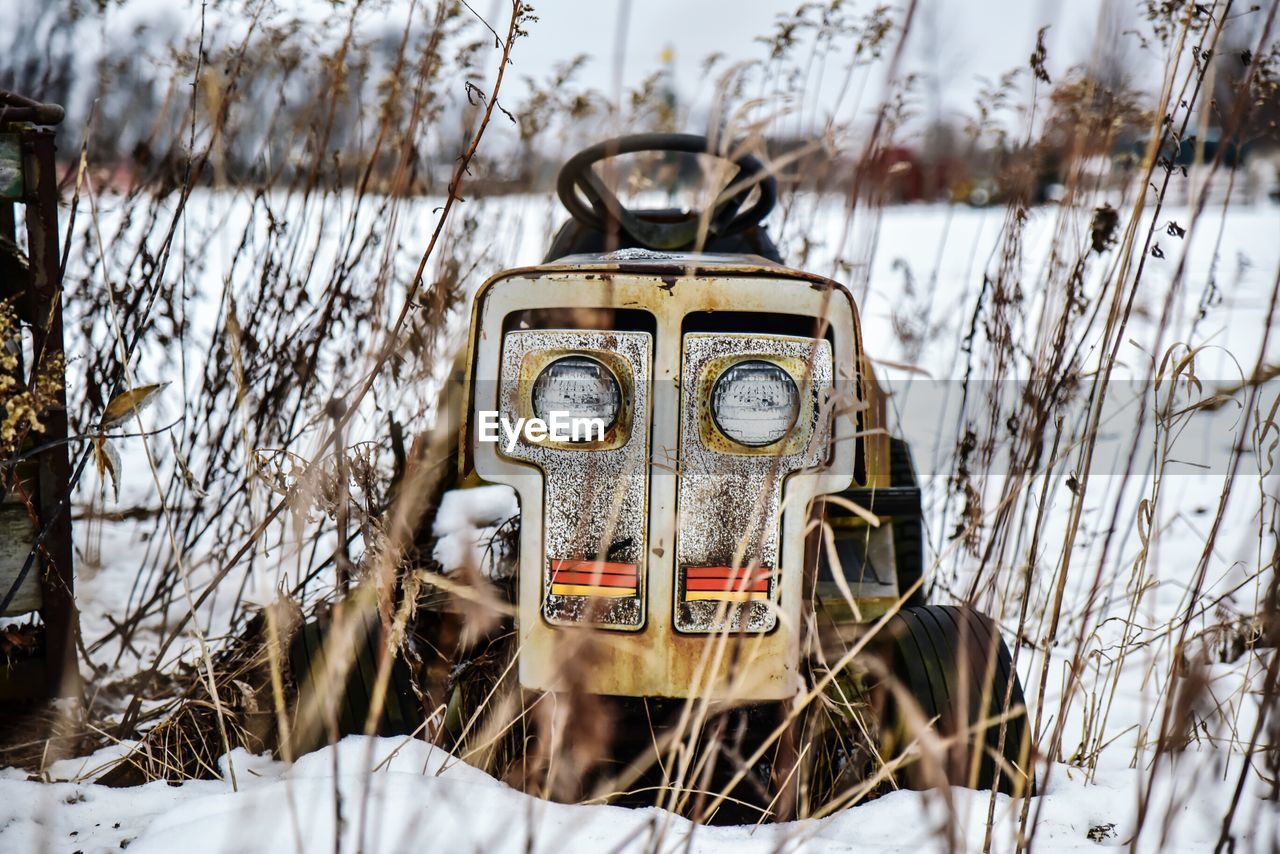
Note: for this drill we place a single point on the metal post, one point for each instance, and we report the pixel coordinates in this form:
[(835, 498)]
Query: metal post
[(58, 579), (28, 175)]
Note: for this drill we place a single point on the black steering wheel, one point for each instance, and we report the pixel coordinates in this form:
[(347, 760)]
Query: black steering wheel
[(602, 205)]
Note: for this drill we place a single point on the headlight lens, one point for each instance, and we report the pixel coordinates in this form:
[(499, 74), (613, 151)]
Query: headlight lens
[(579, 386), (755, 403)]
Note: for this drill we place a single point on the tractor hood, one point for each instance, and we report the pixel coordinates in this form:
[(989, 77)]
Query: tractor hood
[(664, 554)]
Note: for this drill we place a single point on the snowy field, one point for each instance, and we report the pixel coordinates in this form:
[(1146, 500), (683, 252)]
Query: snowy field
[(421, 799), (917, 275)]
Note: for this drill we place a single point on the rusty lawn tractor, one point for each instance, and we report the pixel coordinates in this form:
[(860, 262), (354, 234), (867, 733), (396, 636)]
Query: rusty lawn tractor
[(731, 559)]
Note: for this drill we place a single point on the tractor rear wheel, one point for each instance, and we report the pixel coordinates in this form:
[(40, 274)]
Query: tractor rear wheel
[(948, 666)]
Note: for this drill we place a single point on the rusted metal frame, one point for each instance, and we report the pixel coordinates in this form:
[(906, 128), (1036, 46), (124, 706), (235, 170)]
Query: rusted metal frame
[(59, 613), (18, 108), (52, 550), (8, 225)]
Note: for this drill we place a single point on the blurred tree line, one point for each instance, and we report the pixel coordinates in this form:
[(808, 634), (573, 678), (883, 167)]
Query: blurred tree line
[(296, 98)]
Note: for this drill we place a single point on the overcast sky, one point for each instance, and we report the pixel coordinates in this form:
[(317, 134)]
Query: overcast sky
[(959, 41), (953, 44)]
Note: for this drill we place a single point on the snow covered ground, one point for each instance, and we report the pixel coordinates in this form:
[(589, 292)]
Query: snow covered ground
[(926, 269), (419, 798)]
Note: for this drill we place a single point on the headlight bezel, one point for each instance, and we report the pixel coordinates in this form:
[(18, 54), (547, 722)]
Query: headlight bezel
[(794, 440), (721, 419), (609, 374), (536, 361)]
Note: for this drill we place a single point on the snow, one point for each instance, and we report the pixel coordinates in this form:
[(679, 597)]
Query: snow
[(466, 523), (927, 264), (635, 254), (393, 795)]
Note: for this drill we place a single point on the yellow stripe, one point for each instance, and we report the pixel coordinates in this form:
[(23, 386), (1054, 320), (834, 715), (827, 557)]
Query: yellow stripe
[(724, 596), (591, 590)]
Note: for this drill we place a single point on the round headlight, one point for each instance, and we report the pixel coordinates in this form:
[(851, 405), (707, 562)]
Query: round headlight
[(755, 403), (578, 386)]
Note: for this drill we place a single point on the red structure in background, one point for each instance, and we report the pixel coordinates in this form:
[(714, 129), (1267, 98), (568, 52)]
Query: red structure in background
[(898, 174)]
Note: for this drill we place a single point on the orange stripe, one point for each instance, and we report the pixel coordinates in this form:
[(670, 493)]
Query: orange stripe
[(593, 566), (606, 579), (723, 572), (726, 584)]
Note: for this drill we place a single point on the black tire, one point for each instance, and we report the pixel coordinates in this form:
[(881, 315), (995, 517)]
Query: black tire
[(908, 530), (947, 660), (401, 713)]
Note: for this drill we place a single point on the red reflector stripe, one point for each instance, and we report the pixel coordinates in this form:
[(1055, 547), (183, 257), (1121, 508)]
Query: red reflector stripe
[(761, 586), (724, 572), (601, 579), (593, 567)]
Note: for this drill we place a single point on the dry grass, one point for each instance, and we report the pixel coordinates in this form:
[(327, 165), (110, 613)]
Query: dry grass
[(291, 456)]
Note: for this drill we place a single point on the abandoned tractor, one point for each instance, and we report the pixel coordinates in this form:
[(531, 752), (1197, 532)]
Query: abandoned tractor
[(716, 598)]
